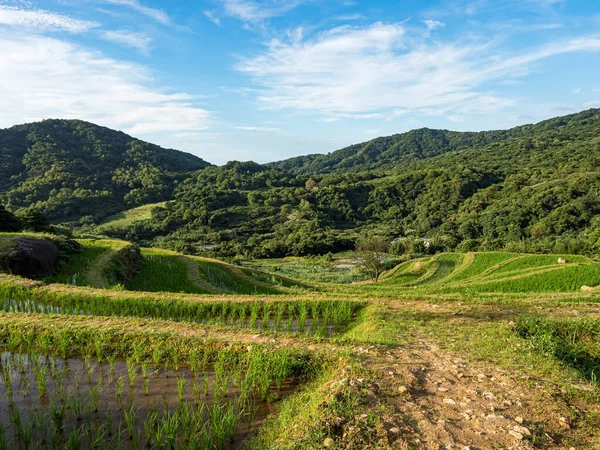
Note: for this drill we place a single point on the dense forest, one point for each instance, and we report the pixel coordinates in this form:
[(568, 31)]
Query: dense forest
[(69, 169), (533, 188)]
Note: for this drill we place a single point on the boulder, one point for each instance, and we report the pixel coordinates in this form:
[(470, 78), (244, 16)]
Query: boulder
[(562, 261), (586, 288), (34, 258)]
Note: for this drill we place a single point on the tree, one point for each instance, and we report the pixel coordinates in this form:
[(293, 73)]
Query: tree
[(8, 222), (34, 220), (371, 253)]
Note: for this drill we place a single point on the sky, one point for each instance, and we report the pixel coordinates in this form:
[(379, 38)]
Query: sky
[(265, 80)]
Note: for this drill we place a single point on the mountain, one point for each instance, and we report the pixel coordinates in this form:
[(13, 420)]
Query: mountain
[(402, 151), (533, 188), (530, 189), (69, 169)]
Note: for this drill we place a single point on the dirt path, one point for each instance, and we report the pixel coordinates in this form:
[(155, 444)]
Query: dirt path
[(448, 402)]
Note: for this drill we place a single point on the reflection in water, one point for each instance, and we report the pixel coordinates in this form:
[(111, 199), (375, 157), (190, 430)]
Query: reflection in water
[(48, 402)]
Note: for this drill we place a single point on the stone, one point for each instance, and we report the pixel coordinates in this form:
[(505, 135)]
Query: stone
[(522, 430), (516, 435), (34, 258), (441, 389), (561, 261), (394, 430), (449, 401), (519, 420), (586, 288), (402, 389), (328, 443)]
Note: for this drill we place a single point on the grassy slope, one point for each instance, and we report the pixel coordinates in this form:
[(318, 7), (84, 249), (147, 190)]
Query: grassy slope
[(333, 404), (126, 218)]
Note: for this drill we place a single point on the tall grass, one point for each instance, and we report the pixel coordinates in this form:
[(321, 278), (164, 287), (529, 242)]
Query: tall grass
[(163, 273), (576, 343), (328, 316)]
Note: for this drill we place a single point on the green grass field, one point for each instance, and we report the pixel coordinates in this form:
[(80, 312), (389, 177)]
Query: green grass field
[(126, 218), (161, 272), (286, 354)]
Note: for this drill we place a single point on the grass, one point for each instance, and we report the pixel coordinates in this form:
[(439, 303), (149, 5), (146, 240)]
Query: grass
[(445, 264), (482, 263), (232, 280), (534, 261), (259, 332), (575, 343), (162, 272), (567, 279), (127, 218), (189, 421), (310, 270)]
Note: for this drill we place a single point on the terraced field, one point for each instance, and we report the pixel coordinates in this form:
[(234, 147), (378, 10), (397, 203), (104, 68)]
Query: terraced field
[(153, 349)]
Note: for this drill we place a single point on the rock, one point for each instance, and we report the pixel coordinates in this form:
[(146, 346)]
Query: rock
[(586, 288), (441, 389), (327, 443), (516, 435), (34, 258), (561, 261), (519, 420), (522, 430), (394, 430), (449, 401), (563, 422), (402, 389)]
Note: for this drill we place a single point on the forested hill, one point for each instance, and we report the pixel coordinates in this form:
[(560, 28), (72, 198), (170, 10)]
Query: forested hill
[(530, 189), (402, 152), (69, 169)]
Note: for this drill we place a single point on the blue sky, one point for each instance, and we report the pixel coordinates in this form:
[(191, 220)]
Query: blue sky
[(264, 80)]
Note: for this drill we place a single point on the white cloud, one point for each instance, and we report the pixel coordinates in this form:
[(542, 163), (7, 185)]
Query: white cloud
[(210, 15), (258, 11), (265, 129), (43, 77), (433, 24), (42, 20), (380, 68), (349, 17), (157, 14), (139, 41)]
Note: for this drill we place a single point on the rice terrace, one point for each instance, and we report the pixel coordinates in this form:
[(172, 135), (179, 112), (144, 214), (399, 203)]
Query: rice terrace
[(299, 225), (156, 349)]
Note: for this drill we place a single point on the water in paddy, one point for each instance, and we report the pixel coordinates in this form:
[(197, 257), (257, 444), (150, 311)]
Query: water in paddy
[(49, 402)]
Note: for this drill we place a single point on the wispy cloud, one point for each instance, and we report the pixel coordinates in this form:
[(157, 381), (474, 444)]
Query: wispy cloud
[(433, 24), (264, 129), (139, 41), (366, 70), (44, 77), (210, 15), (258, 11), (38, 19), (349, 17), (157, 14)]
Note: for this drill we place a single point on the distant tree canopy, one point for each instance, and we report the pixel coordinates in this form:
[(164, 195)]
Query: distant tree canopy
[(68, 169), (33, 220), (533, 188)]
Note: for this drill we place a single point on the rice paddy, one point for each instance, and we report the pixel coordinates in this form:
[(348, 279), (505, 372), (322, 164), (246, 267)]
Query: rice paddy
[(152, 349)]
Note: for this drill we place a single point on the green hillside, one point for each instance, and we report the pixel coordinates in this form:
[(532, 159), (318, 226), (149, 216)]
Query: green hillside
[(530, 189), (69, 169), (431, 148)]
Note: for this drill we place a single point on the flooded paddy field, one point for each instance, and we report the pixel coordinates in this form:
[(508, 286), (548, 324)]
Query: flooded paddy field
[(50, 402)]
